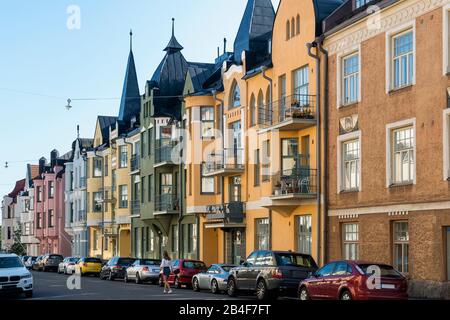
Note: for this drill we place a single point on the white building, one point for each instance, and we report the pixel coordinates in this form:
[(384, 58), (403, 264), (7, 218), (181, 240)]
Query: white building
[(10, 218)]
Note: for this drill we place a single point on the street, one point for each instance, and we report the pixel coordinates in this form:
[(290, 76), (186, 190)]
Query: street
[(53, 286)]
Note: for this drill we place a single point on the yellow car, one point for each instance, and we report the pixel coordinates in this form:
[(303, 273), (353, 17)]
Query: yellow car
[(87, 266)]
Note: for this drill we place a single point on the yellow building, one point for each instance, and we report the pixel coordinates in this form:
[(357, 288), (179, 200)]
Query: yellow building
[(253, 149)]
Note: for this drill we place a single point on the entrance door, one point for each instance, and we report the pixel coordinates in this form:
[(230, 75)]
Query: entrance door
[(238, 254)]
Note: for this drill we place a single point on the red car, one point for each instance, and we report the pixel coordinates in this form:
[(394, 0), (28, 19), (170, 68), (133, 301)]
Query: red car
[(183, 271), (354, 280)]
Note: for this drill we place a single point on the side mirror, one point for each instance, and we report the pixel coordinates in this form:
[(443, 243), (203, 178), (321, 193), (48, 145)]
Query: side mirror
[(242, 262)]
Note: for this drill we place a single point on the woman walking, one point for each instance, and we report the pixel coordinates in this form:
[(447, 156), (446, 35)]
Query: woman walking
[(166, 267)]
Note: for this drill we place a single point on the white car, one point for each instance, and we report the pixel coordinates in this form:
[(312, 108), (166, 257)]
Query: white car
[(14, 277)]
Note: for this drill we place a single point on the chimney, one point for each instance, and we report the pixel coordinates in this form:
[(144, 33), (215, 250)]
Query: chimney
[(53, 157), (42, 162), (224, 45)]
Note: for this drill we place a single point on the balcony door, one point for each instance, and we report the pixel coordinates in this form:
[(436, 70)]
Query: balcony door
[(236, 142), (235, 189)]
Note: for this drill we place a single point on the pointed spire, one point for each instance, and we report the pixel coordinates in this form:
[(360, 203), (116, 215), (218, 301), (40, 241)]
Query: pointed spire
[(131, 40), (174, 45)]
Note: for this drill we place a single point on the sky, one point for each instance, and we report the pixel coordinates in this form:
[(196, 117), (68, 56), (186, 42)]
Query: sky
[(50, 53)]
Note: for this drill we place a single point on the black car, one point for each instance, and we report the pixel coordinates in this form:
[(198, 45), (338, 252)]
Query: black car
[(116, 268), (270, 274)]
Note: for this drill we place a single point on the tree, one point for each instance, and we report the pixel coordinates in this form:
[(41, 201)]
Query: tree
[(18, 248)]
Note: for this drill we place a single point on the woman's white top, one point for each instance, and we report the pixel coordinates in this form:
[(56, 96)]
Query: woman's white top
[(166, 263)]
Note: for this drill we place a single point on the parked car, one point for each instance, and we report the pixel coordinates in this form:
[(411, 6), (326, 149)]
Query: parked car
[(116, 268), (214, 279), (349, 280), (143, 270), (51, 262), (37, 266), (69, 261), (270, 274), (87, 266), (14, 277), (183, 271), (24, 259), (29, 263)]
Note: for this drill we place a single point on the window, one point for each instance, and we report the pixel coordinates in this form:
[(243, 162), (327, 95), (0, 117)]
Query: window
[(9, 236), (403, 155), (342, 269), (289, 154), (350, 241), (304, 234), (401, 246), (207, 116), (262, 234), (150, 188), (402, 59), (192, 243), (151, 235), (297, 24), (301, 85), (260, 113), (39, 220), (144, 189), (166, 183), (97, 167), (288, 30), (360, 3), (150, 141), (95, 237), (175, 238), (71, 211), (236, 96), (266, 161), (97, 201), (326, 271), (207, 183), (350, 165), (257, 169), (253, 111), (51, 218), (350, 79), (106, 166), (282, 102), (123, 195), (39, 194), (123, 157), (292, 27), (144, 144)]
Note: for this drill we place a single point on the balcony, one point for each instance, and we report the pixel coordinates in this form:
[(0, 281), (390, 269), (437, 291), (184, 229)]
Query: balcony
[(229, 215), (135, 163), (293, 187), (82, 184), (228, 162), (108, 194), (135, 207), (167, 204), (294, 112), (164, 153)]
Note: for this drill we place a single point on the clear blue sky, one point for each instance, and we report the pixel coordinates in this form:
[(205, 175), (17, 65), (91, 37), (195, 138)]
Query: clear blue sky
[(39, 54)]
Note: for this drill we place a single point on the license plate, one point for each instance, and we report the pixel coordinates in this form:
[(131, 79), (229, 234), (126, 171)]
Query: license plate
[(387, 286)]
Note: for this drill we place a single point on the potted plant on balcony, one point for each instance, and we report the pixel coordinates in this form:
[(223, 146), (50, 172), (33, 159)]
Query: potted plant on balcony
[(277, 189)]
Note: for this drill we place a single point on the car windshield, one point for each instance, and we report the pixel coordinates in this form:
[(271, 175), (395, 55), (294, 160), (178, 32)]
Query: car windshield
[(92, 260), (150, 262), (295, 260), (10, 262), (227, 268), (73, 259), (386, 271), (194, 265), (126, 261), (55, 257)]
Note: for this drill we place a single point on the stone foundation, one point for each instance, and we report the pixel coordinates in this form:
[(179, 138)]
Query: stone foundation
[(424, 289)]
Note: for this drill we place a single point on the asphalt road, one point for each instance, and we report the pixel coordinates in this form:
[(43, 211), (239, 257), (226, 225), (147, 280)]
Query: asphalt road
[(52, 286)]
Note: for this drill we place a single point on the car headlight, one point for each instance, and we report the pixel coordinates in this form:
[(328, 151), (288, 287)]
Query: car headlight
[(27, 276)]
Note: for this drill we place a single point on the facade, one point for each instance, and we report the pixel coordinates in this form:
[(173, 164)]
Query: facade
[(109, 179), (11, 216), (388, 139), (162, 224), (255, 183), (49, 206), (76, 197)]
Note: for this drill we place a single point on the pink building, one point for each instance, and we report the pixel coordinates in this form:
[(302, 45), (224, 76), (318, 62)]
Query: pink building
[(49, 206)]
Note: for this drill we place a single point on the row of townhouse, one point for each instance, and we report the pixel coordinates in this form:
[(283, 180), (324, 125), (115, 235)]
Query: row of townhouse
[(324, 131)]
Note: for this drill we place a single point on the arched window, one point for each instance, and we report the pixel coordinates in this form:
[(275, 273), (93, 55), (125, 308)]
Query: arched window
[(268, 109), (235, 100), (298, 24), (261, 112), (252, 111), (288, 30), (293, 27)]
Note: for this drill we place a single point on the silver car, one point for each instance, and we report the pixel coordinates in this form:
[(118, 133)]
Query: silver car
[(214, 279), (143, 270), (64, 265)]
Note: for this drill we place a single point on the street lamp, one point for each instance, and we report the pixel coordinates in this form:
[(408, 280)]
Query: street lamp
[(68, 106)]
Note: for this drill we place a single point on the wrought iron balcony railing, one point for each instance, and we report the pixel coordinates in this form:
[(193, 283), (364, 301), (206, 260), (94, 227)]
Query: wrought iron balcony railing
[(164, 151), (300, 181), (227, 160), (229, 212), (167, 203), (135, 207), (135, 162)]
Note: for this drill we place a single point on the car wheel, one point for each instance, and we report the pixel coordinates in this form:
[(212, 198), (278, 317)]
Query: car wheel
[(214, 287), (346, 295), (231, 288), (160, 281), (177, 283), (195, 285), (125, 279), (43, 269), (261, 290), (29, 294), (110, 277), (303, 294), (138, 279)]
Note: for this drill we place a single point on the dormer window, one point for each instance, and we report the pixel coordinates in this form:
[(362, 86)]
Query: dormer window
[(236, 96), (360, 3)]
